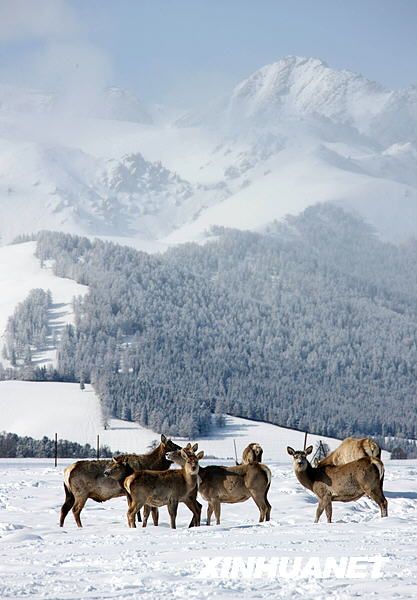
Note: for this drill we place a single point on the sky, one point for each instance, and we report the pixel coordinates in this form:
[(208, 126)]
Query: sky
[(185, 53)]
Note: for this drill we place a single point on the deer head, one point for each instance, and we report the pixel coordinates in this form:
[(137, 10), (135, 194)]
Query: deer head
[(168, 445), (178, 458), (257, 450), (119, 468), (300, 461), (191, 461)]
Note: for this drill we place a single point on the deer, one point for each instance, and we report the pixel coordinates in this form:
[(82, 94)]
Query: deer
[(352, 449), (252, 453), (343, 483), (149, 488), (85, 479), (230, 485)]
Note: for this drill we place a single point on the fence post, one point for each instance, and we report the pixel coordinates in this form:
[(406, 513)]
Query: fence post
[(56, 449), (305, 439), (98, 446)]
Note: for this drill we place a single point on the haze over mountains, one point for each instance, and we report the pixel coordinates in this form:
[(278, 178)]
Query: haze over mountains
[(294, 133)]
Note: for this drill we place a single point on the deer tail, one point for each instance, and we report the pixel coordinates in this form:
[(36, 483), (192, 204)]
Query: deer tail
[(379, 465), (267, 472)]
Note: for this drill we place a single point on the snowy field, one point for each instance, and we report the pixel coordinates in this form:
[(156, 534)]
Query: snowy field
[(43, 408), (107, 560)]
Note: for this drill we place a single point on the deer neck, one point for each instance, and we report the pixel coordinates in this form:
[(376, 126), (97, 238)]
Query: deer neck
[(306, 477), (158, 459), (191, 479), (127, 470)]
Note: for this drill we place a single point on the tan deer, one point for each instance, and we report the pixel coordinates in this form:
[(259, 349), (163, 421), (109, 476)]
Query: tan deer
[(231, 485), (85, 478), (344, 483), (252, 453), (160, 488), (351, 449)]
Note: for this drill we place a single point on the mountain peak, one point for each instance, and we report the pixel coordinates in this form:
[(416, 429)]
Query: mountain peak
[(301, 86), (298, 89), (294, 61)]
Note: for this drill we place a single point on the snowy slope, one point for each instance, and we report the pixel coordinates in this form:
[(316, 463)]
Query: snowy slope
[(107, 560), (301, 174), (61, 188), (20, 272), (38, 409)]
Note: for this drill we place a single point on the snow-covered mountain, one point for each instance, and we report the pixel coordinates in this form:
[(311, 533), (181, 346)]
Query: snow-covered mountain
[(293, 133), (66, 189), (306, 88)]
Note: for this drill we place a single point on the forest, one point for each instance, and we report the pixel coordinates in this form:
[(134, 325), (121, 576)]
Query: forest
[(311, 324), (16, 446)]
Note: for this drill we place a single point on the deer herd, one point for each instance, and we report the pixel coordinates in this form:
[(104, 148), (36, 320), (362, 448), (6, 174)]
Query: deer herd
[(351, 471)]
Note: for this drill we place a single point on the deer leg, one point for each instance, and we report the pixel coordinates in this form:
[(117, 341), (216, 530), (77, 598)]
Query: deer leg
[(261, 504), (66, 507), (192, 523), (378, 497), (139, 517), (199, 507), (155, 516), (77, 508), (146, 511), (132, 512), (195, 522), (172, 509), (319, 510), (328, 509), (195, 508), (217, 509), (209, 513), (268, 510), (268, 506)]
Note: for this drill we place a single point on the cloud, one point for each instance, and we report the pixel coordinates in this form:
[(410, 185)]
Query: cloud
[(36, 19), (46, 46), (77, 71)]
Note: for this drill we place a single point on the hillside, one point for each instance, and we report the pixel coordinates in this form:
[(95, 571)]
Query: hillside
[(21, 272), (38, 409)]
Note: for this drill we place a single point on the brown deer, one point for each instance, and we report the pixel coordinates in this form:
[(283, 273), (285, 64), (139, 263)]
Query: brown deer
[(252, 453), (351, 449), (343, 483), (85, 478), (230, 485), (160, 488)]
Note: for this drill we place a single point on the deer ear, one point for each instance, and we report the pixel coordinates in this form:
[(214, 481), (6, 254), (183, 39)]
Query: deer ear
[(309, 450), (290, 450), (114, 459), (194, 448), (184, 454), (188, 446), (200, 455), (163, 439)]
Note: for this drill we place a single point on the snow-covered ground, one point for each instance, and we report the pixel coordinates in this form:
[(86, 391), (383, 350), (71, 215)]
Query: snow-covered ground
[(107, 560), (43, 408), (21, 272)]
